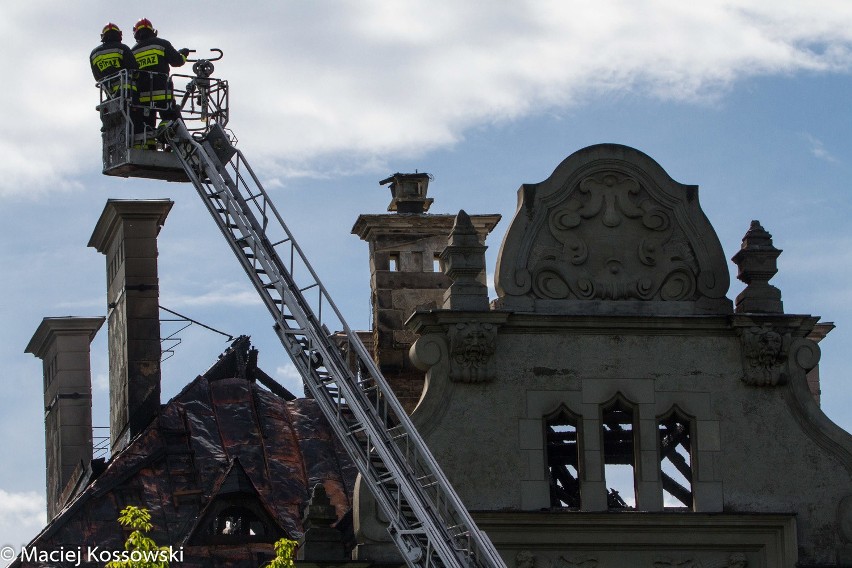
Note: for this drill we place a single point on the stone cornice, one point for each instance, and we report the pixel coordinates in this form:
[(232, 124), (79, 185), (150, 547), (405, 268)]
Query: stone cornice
[(513, 322), (49, 328), (118, 209), (369, 227), (541, 538)]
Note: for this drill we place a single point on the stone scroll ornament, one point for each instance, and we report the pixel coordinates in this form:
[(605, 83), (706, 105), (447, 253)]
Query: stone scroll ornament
[(771, 355), (610, 225), (472, 347), (616, 244)]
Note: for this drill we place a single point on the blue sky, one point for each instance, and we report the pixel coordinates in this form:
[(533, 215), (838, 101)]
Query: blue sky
[(748, 100)]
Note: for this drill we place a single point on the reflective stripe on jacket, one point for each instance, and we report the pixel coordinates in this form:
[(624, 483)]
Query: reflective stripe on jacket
[(109, 58), (157, 55), (160, 95)]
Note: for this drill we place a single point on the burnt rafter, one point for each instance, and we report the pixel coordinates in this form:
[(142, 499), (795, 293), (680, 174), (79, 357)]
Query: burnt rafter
[(564, 489), (618, 446), (562, 461), (617, 438), (679, 462), (675, 434), (676, 490)]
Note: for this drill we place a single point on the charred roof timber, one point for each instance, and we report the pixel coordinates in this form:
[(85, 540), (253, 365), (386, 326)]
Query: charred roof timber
[(408, 192)]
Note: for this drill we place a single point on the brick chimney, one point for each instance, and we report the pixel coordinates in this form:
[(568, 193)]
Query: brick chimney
[(407, 274), (127, 234), (63, 346)]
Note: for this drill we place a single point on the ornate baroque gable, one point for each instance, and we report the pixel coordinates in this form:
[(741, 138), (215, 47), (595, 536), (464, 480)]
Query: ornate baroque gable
[(609, 232)]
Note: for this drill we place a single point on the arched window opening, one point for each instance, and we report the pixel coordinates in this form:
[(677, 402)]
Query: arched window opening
[(238, 521), (676, 461), (562, 460), (619, 461)]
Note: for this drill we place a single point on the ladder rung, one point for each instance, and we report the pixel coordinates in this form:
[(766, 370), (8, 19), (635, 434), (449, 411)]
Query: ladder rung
[(427, 480), (294, 331), (397, 432)]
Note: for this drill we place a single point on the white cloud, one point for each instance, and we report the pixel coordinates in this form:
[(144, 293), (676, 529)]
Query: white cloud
[(818, 149), (22, 517), (101, 382), (320, 80), (288, 375), (221, 294)]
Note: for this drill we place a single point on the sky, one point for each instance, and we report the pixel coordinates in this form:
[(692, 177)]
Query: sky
[(747, 99)]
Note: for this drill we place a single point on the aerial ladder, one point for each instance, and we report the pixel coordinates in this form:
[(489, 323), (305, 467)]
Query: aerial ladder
[(427, 520)]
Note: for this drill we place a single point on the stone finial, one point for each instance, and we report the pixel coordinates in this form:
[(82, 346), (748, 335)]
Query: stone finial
[(408, 192), (757, 264), (321, 541), (464, 263)]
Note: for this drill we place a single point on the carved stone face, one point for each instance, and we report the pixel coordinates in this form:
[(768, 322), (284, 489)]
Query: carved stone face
[(770, 344)]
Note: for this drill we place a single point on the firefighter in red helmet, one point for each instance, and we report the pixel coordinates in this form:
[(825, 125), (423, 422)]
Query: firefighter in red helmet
[(155, 56)]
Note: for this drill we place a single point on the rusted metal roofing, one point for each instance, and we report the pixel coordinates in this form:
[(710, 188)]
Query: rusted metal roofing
[(181, 469)]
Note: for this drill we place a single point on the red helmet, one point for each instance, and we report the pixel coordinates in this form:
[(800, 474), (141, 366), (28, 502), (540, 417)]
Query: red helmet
[(142, 24), (110, 27)]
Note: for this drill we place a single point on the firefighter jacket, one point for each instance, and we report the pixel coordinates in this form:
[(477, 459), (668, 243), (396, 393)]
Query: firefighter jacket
[(109, 58), (155, 56)]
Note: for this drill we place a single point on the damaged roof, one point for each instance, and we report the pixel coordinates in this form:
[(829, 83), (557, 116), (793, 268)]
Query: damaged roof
[(223, 444)]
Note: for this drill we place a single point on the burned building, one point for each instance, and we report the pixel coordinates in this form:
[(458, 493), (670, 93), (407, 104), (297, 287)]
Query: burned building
[(612, 406), (225, 468)]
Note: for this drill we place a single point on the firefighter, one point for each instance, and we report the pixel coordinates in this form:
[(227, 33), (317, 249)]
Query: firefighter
[(108, 59), (155, 56)]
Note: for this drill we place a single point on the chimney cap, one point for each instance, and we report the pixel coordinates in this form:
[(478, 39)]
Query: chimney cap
[(116, 209), (408, 192), (68, 325)]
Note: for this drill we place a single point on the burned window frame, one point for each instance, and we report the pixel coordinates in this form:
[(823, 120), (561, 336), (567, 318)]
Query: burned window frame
[(667, 448), (246, 519), (612, 455), (210, 528), (564, 486)]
